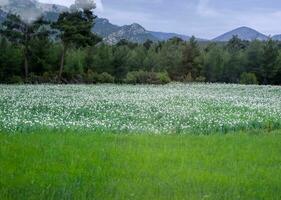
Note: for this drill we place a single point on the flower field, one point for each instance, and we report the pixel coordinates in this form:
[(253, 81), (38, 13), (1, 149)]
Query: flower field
[(173, 108)]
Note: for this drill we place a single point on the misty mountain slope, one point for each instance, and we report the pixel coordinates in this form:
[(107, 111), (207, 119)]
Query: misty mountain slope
[(134, 33), (277, 37), (2, 15), (166, 36), (31, 9), (104, 28), (244, 33)]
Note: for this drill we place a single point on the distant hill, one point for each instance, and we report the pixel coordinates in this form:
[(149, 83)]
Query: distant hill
[(277, 37), (134, 33), (104, 28), (166, 36), (244, 33), (2, 16)]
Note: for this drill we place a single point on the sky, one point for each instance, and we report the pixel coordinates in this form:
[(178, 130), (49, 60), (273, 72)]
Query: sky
[(202, 18)]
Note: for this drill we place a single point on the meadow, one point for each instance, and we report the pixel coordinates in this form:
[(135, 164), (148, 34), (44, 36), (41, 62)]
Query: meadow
[(170, 109), (177, 141)]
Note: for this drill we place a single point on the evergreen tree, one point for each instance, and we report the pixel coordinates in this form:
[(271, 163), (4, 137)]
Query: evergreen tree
[(76, 29), (21, 33), (191, 53), (269, 63)]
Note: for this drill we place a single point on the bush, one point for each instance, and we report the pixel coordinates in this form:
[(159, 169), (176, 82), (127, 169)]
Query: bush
[(74, 62), (248, 79), (48, 77), (89, 77), (163, 77), (104, 78), (16, 80), (137, 77), (144, 77), (188, 78), (200, 79)]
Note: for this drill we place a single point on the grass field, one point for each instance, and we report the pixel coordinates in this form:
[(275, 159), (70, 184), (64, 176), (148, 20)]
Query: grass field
[(48, 165), (178, 141)]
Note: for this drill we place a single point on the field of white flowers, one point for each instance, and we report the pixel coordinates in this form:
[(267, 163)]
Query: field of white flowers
[(173, 108)]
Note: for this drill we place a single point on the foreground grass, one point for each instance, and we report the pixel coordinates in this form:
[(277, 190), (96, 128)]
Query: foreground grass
[(107, 166)]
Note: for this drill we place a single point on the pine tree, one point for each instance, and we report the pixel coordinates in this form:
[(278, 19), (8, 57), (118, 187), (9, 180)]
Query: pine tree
[(21, 33), (76, 29), (191, 53), (269, 67)]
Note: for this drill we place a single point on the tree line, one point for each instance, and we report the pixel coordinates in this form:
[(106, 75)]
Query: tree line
[(67, 51)]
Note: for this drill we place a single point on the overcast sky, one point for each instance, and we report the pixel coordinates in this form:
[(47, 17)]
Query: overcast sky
[(202, 18)]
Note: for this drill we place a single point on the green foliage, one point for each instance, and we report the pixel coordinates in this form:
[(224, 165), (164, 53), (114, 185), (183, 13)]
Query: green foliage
[(104, 78), (15, 80), (269, 66), (190, 61), (163, 77), (11, 60), (76, 28), (22, 33), (248, 79), (144, 77), (75, 62), (214, 62)]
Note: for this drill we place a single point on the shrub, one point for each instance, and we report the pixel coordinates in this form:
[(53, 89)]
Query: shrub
[(48, 77), (74, 62), (163, 77), (137, 77), (90, 77), (144, 77), (248, 79), (104, 78), (16, 80), (200, 79), (188, 78)]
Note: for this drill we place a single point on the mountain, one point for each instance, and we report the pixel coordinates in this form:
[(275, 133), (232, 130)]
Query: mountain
[(134, 33), (2, 15), (244, 33), (31, 9), (166, 36), (111, 34), (277, 37), (104, 28)]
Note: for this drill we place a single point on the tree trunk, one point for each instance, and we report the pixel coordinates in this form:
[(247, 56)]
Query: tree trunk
[(62, 62)]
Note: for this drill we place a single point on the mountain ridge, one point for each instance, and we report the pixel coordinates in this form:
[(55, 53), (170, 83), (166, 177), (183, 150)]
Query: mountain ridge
[(112, 33)]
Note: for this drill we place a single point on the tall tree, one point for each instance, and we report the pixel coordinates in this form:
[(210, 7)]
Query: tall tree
[(269, 64), (21, 33), (76, 28), (191, 53)]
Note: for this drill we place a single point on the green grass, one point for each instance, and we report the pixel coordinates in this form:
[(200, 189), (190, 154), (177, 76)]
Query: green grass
[(109, 166)]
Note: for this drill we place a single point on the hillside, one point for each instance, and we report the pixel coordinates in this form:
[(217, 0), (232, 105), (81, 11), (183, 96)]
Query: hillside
[(277, 37), (244, 33)]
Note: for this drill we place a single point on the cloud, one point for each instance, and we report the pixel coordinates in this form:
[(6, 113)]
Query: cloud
[(3, 2), (99, 4), (204, 9)]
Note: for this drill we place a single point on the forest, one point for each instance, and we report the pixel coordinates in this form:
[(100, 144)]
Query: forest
[(66, 51)]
